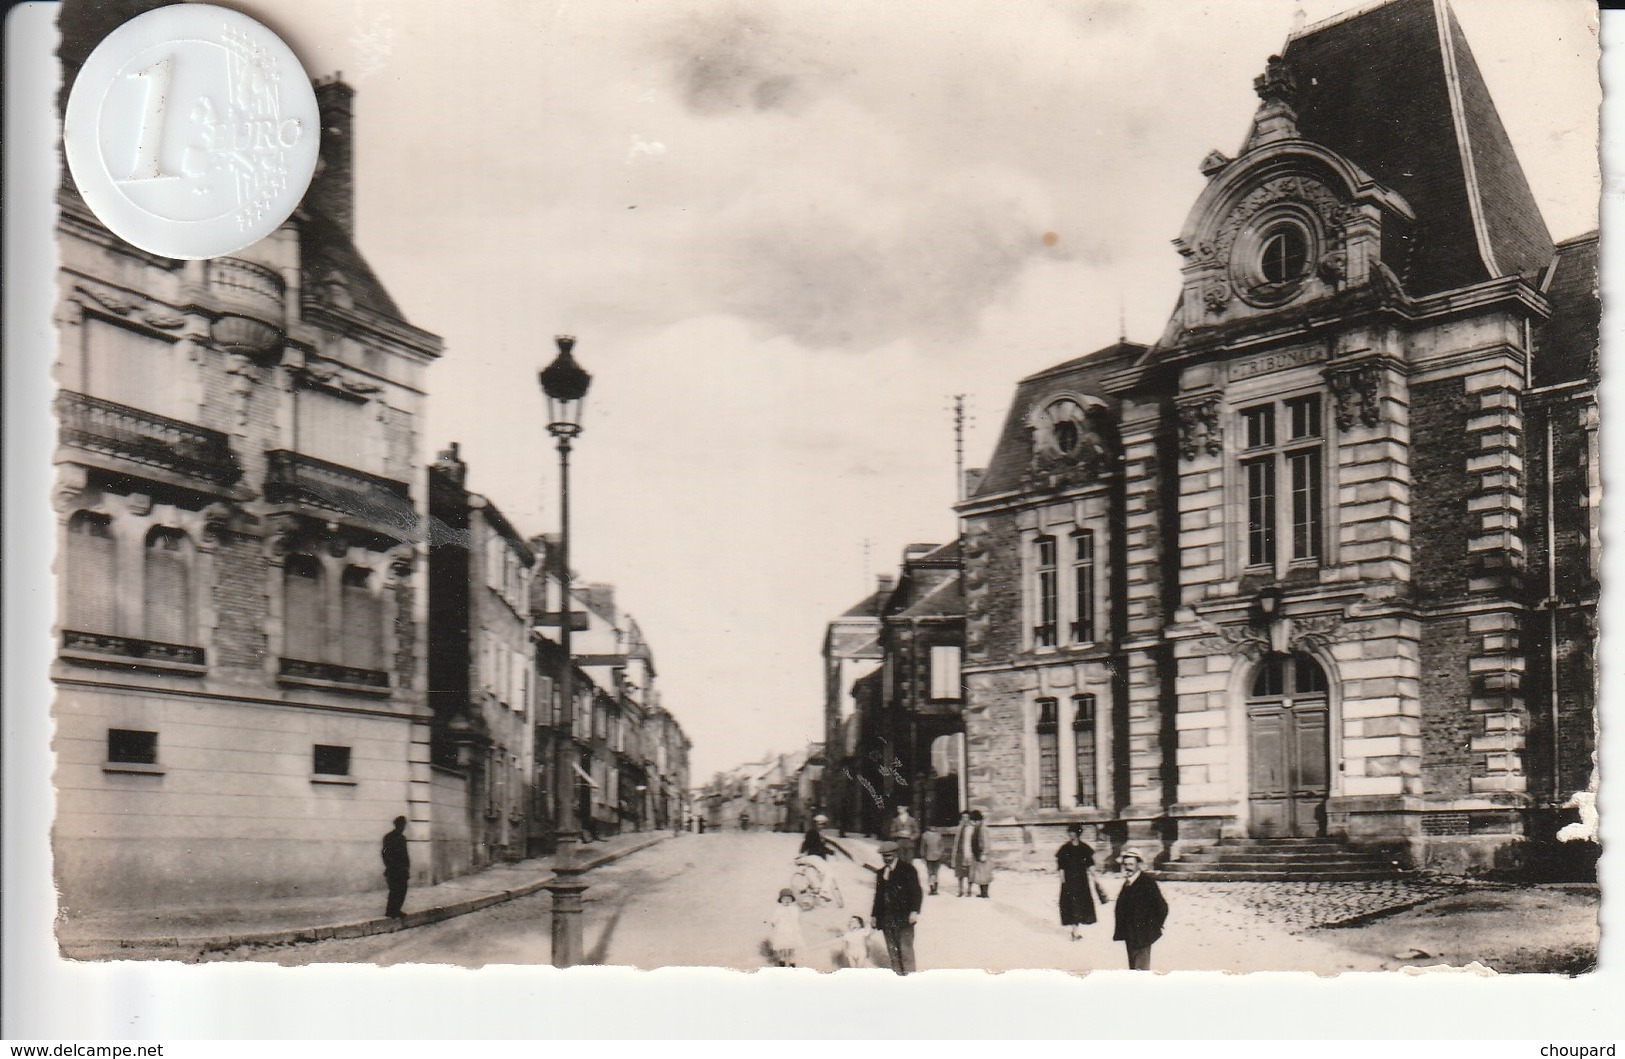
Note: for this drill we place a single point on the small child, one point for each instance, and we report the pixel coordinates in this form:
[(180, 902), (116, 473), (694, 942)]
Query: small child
[(784, 930), (855, 943)]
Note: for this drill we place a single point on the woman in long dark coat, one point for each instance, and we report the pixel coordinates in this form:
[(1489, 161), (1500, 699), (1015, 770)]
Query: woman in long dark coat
[(1079, 887)]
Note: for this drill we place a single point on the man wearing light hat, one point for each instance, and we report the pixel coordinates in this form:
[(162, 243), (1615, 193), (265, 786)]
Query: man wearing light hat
[(897, 906), (1141, 910)]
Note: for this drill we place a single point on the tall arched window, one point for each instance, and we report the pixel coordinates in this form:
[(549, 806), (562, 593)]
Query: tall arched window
[(363, 620), (167, 600), (89, 571), (304, 606)]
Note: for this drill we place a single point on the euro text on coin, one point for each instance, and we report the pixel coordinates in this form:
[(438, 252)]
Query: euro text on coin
[(192, 131)]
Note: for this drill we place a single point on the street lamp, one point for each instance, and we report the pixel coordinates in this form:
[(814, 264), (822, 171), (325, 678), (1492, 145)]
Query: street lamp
[(565, 383)]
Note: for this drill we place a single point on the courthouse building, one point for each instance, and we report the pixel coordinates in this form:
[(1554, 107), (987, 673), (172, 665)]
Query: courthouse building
[(240, 666), (1321, 561)]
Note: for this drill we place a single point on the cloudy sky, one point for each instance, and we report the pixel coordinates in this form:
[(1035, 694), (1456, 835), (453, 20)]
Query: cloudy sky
[(785, 233)]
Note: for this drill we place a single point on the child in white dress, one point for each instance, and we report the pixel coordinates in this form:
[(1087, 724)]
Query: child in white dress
[(855, 943), (784, 930)]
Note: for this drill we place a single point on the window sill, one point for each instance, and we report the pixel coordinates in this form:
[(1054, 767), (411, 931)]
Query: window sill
[(86, 658), (333, 781), (332, 677), (132, 768), (334, 685)]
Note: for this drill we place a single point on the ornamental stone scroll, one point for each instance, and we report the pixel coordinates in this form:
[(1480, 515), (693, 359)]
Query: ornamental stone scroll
[(1358, 391), (1199, 427)]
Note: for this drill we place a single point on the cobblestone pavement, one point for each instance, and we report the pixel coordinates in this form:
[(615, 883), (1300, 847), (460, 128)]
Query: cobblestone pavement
[(1300, 906)]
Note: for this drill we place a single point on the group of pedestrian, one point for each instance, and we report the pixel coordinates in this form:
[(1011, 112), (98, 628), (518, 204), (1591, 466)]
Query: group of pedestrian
[(1139, 915), (967, 856), (1141, 909)]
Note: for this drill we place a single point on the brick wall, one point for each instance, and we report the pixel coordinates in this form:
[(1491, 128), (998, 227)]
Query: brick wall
[(240, 605), (1448, 724), (1441, 522), (994, 733), (993, 588)]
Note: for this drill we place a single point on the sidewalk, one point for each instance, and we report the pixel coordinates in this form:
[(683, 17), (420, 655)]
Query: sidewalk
[(99, 935)]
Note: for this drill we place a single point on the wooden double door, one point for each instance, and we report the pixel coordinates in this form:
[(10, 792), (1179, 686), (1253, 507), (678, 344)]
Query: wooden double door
[(1289, 751)]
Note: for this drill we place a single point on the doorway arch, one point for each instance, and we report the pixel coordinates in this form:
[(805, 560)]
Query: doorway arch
[(1288, 748)]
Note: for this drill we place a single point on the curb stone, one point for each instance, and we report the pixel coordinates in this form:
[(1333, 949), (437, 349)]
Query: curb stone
[(350, 930)]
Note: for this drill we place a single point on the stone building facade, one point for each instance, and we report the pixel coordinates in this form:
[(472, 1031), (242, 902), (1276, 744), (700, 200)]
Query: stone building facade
[(239, 681), (851, 652), (1321, 561), (481, 675)]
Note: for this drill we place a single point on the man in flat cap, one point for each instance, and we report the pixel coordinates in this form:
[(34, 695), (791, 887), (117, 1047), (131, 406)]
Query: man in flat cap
[(1141, 910), (897, 906)]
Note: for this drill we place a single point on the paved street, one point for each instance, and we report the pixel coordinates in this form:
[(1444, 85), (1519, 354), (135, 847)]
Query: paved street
[(704, 900)]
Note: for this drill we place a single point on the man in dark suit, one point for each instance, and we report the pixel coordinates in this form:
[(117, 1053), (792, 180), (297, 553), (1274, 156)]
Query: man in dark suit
[(897, 907), (1141, 911), (397, 868)]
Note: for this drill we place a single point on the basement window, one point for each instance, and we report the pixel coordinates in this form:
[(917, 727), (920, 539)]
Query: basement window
[(331, 764), (132, 751)]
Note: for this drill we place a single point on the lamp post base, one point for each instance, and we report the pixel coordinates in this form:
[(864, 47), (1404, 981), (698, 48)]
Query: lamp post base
[(566, 889)]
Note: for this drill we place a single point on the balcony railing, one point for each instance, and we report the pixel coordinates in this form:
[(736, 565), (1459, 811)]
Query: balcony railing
[(147, 438), (294, 478), (330, 673), (126, 647)]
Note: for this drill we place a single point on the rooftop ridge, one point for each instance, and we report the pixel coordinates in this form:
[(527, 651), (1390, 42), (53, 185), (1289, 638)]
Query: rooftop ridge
[(1338, 19)]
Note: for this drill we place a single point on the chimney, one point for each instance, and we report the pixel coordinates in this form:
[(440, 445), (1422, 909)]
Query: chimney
[(886, 584), (332, 193), (973, 480), (450, 464)]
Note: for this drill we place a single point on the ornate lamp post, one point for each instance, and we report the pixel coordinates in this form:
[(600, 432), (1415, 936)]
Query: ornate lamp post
[(565, 384)]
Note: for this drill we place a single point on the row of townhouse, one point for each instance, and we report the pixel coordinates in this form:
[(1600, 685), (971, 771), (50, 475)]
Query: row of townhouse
[(499, 733), (1321, 562), (266, 647), (781, 792)]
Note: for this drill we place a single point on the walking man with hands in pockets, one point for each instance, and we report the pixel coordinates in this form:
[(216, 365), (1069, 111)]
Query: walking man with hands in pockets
[(397, 868)]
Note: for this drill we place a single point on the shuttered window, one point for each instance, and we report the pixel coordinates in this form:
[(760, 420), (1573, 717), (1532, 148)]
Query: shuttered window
[(338, 430), (945, 672), (89, 571), (304, 608), (168, 599), (132, 369), (363, 635)]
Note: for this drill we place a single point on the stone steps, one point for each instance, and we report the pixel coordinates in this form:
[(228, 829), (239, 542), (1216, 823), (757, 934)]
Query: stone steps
[(1212, 856), (1277, 860), (1251, 875)]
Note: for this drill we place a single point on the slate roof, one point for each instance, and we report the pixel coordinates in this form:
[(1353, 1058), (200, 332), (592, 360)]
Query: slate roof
[(946, 599), (328, 251), (1395, 90), (1080, 375), (871, 606), (1566, 345)]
